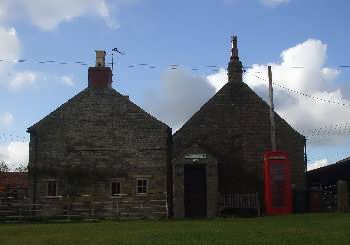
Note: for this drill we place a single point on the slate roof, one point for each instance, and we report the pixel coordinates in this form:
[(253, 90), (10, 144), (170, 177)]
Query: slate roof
[(14, 180), (330, 174), (81, 95), (232, 93)]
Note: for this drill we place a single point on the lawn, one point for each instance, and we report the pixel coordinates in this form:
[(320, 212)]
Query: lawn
[(294, 229)]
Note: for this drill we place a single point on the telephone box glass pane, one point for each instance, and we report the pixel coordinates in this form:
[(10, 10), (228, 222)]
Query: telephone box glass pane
[(277, 171)]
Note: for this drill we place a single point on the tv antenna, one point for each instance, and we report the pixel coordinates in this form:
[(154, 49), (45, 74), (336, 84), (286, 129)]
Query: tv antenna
[(115, 51)]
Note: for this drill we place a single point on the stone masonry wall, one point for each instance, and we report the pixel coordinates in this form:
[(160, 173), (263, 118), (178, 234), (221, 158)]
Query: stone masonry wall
[(211, 180), (234, 124), (96, 137), (255, 123)]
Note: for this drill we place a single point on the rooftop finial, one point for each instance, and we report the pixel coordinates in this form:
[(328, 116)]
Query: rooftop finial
[(235, 68), (234, 48), (234, 41)]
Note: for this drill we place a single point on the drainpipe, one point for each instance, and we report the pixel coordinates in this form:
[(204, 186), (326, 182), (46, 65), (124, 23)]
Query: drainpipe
[(305, 155), (33, 168)]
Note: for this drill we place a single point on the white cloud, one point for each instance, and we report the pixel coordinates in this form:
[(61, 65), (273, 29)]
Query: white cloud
[(311, 55), (314, 79), (47, 15), (9, 47), (182, 94), (4, 9), (10, 51), (15, 153), (23, 79), (317, 164), (219, 79), (67, 80), (184, 88), (6, 120), (314, 57), (273, 3)]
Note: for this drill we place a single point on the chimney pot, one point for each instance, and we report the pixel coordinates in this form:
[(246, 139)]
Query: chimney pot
[(100, 58), (100, 76)]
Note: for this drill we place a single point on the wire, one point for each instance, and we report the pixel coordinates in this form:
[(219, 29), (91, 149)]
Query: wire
[(302, 93), (11, 137), (295, 67), (214, 67), (330, 130)]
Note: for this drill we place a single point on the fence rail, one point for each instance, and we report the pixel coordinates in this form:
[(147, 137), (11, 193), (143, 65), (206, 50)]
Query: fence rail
[(239, 202)]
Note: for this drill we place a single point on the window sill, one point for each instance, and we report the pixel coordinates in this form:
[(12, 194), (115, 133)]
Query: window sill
[(53, 197), (119, 195), (141, 194)]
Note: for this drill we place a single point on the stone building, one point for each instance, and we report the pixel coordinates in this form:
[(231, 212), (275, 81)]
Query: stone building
[(13, 186), (103, 155), (219, 150), (100, 153), (329, 187)]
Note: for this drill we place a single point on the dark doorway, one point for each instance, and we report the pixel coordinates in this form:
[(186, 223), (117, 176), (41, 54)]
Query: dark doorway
[(195, 189)]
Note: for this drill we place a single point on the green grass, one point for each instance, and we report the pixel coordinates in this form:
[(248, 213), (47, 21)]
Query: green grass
[(294, 229)]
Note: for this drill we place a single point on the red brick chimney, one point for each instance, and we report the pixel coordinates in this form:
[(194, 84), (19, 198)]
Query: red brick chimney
[(100, 76)]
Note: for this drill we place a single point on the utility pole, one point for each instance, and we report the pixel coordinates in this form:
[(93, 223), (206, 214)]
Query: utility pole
[(272, 112)]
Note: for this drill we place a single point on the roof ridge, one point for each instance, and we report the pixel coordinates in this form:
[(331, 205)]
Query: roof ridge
[(83, 93)]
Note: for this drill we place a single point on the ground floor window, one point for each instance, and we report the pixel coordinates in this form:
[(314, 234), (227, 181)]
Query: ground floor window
[(52, 188), (116, 188), (141, 185)]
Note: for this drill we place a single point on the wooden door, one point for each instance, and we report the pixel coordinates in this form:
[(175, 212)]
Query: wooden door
[(195, 190)]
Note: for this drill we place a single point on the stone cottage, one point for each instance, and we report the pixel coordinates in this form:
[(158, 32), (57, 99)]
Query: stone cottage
[(100, 154), (219, 151)]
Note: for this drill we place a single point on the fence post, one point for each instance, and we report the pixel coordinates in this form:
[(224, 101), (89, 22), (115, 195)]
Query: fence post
[(342, 196)]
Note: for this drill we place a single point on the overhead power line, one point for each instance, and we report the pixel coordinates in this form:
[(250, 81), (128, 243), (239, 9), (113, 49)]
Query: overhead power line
[(338, 129), (44, 61), (304, 94), (213, 67), (10, 137), (295, 67)]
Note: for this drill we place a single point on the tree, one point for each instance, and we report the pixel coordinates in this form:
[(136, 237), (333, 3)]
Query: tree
[(3, 167), (21, 168)]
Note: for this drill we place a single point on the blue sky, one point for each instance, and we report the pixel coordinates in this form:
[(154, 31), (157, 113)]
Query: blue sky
[(192, 34)]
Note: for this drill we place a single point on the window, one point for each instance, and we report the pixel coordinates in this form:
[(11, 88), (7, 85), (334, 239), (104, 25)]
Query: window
[(141, 186), (52, 188), (116, 188)]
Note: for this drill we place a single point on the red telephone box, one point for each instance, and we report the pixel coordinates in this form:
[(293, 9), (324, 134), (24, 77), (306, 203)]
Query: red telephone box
[(278, 190)]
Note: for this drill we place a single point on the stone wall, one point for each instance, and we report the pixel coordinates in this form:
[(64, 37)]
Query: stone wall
[(255, 123), (211, 168), (97, 136), (235, 126)]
